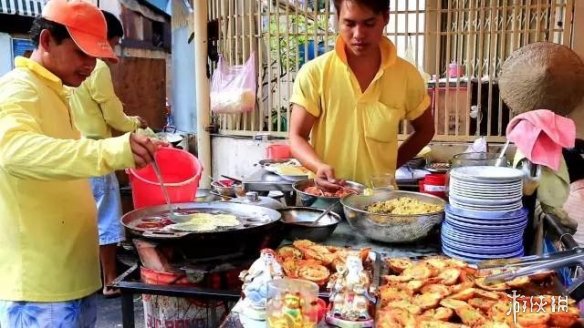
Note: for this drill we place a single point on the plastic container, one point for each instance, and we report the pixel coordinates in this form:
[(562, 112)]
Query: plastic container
[(475, 159), (181, 172), (434, 184), (293, 299), (455, 70), (278, 151)]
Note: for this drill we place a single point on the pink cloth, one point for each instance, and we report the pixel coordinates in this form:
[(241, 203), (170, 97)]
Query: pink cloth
[(540, 135)]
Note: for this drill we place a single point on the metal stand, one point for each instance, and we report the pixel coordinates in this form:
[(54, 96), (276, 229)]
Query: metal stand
[(576, 290), (129, 288)]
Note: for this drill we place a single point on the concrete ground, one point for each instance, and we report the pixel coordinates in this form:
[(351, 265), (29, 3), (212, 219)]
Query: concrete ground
[(109, 312)]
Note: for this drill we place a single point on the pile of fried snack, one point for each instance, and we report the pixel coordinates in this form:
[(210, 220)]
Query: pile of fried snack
[(307, 260), (443, 292)]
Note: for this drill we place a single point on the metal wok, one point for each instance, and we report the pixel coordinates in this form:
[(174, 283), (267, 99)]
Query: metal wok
[(259, 227)]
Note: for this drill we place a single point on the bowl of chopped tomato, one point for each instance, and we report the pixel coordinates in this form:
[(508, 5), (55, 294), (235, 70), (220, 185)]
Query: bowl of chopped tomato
[(312, 195)]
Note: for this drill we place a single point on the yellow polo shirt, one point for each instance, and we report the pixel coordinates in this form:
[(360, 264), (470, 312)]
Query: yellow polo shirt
[(48, 235), (97, 109), (356, 132)]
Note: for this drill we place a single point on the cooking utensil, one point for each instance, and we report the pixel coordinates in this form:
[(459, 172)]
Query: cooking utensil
[(526, 260), (500, 159), (323, 202), (299, 223), (260, 227), (218, 182), (222, 196), (474, 159), (560, 260), (395, 228), (232, 179), (173, 137), (327, 211), (173, 216)]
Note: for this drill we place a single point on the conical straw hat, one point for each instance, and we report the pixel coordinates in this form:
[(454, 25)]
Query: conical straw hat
[(542, 75)]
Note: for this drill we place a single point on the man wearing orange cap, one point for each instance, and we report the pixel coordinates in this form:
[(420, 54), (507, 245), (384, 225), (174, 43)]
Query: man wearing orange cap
[(97, 111), (49, 270)]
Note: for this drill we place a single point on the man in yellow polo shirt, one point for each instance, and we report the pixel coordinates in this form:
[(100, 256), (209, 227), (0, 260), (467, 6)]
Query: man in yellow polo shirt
[(97, 110), (49, 267), (349, 102)]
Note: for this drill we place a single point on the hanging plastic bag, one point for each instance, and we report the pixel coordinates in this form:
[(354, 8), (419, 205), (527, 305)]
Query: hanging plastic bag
[(233, 88), (410, 56)]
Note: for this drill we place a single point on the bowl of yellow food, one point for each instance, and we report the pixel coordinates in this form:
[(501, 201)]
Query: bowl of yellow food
[(393, 216)]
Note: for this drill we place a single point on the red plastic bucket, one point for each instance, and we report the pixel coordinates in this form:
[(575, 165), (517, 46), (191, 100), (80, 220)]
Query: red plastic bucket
[(181, 172), (278, 151), (434, 184)]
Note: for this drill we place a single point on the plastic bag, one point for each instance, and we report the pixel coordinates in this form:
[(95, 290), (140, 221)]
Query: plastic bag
[(478, 146), (233, 88)]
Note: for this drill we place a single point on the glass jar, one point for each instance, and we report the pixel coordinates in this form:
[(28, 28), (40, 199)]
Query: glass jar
[(292, 303)]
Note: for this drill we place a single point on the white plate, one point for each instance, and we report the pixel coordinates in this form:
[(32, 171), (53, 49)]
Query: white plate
[(486, 173), (484, 196), (482, 201), (483, 185), (293, 178), (273, 167), (501, 192), (487, 193), (489, 208), (486, 183), (487, 190)]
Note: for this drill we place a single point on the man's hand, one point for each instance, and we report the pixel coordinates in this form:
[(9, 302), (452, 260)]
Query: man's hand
[(143, 123), (143, 149), (325, 177)]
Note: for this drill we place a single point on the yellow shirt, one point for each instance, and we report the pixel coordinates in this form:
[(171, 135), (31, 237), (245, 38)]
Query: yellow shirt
[(48, 228), (97, 109), (356, 132)]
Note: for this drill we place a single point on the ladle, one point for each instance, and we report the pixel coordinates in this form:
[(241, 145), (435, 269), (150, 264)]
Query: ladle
[(323, 214), (176, 217), (499, 161)]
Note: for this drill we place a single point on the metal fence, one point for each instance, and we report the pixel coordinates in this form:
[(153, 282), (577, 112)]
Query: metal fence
[(458, 46)]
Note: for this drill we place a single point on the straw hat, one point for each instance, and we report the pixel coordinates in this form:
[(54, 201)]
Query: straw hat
[(542, 75)]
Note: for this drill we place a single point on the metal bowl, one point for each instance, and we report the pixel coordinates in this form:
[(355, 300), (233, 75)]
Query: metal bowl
[(234, 190), (309, 200), (395, 228), (297, 225)]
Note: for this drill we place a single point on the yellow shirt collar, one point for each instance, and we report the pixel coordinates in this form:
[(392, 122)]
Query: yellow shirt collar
[(388, 51), (51, 79)]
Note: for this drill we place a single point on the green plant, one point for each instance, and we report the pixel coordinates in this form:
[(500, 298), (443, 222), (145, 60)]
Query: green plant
[(287, 33), (282, 113)]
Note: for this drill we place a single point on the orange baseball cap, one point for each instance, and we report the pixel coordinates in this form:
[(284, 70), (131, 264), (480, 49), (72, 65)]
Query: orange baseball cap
[(85, 24)]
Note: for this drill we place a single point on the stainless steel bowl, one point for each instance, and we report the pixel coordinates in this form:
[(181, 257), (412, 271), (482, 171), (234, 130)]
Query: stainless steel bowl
[(395, 228), (309, 200), (295, 221)]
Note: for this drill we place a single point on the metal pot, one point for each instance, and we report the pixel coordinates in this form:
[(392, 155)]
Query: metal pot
[(259, 227), (391, 228), (309, 200), (173, 137), (295, 228)]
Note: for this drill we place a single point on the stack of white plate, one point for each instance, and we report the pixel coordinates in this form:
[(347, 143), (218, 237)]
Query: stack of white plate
[(486, 188), (485, 218)]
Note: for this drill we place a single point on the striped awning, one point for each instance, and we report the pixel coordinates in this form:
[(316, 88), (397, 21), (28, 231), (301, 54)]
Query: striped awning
[(30, 8)]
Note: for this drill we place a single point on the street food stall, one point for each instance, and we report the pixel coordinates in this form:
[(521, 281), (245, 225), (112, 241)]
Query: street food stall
[(423, 259), (465, 246)]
